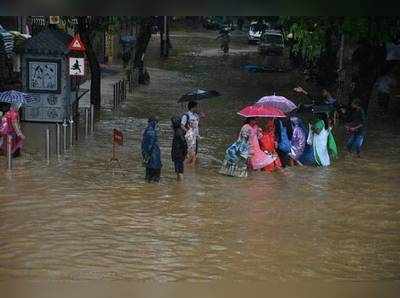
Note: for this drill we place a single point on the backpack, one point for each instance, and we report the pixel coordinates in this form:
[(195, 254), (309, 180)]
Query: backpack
[(187, 124)]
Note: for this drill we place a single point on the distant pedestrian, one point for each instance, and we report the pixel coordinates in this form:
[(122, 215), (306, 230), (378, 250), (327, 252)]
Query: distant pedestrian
[(179, 147), (383, 86), (356, 127), (151, 151)]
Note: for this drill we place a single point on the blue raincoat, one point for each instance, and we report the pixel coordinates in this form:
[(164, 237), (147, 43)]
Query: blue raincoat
[(150, 149), (283, 139)]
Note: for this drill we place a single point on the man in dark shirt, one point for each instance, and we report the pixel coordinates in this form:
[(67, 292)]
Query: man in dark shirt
[(179, 147), (356, 127)]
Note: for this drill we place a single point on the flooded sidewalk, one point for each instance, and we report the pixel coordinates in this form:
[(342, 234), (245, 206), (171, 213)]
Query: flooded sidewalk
[(81, 219)]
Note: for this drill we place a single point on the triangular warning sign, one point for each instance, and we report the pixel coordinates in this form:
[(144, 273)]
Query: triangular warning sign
[(77, 44)]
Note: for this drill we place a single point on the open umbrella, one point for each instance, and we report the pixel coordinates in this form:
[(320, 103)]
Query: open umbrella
[(279, 102), (15, 97), (198, 94), (259, 110)]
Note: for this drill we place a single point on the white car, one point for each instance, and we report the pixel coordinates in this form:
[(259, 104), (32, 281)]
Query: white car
[(255, 31)]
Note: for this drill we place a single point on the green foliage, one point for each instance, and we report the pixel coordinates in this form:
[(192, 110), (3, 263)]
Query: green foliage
[(310, 38), (310, 33), (95, 24)]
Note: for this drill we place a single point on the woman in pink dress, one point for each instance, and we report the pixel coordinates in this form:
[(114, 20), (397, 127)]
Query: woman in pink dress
[(259, 159), (10, 126)]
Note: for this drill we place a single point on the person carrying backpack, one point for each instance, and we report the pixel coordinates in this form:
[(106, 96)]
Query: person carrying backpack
[(179, 147), (190, 124)]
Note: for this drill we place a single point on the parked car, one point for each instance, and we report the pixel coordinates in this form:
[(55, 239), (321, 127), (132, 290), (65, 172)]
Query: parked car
[(271, 43), (255, 31)]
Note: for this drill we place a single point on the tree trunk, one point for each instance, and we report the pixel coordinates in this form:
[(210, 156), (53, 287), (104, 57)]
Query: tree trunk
[(169, 46), (165, 43), (369, 60), (161, 44), (84, 31), (143, 39)]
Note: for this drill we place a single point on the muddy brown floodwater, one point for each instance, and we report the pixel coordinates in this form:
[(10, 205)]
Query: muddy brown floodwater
[(78, 219)]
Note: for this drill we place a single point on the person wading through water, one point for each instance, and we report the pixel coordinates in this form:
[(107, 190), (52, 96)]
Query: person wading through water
[(179, 147), (151, 151), (190, 124), (356, 127), (10, 126)]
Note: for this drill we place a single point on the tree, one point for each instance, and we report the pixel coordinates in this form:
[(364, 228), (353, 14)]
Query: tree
[(316, 40), (145, 28)]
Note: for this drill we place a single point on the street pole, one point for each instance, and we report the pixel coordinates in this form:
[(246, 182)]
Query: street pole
[(77, 110), (65, 135), (71, 131), (91, 119), (48, 146), (9, 157), (86, 123), (58, 141)]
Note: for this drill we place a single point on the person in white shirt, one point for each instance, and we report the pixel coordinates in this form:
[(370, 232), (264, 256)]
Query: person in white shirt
[(190, 123)]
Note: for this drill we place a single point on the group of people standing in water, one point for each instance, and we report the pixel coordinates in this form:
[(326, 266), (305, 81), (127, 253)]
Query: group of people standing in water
[(280, 143), (268, 144), (184, 143), (271, 144)]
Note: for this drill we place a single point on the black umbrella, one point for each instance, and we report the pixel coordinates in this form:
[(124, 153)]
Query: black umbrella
[(198, 95)]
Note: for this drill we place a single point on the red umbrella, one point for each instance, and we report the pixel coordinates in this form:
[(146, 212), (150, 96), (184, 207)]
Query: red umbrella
[(259, 110)]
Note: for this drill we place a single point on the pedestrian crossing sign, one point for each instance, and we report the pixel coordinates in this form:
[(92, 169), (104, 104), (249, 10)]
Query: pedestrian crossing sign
[(76, 66), (77, 44)]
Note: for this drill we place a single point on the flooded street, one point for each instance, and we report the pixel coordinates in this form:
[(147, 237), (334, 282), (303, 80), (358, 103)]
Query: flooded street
[(81, 219)]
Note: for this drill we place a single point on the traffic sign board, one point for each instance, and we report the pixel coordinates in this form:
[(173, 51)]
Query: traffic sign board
[(76, 66), (77, 44)]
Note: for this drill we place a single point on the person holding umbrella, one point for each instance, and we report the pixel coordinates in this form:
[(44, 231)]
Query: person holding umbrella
[(259, 159), (190, 120), (10, 126), (190, 123)]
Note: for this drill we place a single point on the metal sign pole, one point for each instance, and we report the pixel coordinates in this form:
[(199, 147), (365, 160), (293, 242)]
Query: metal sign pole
[(76, 114), (65, 135), (71, 132), (86, 123)]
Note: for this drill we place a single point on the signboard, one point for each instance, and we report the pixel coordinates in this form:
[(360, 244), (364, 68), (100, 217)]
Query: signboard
[(76, 66), (77, 44), (84, 100), (118, 137), (54, 20), (44, 75)]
